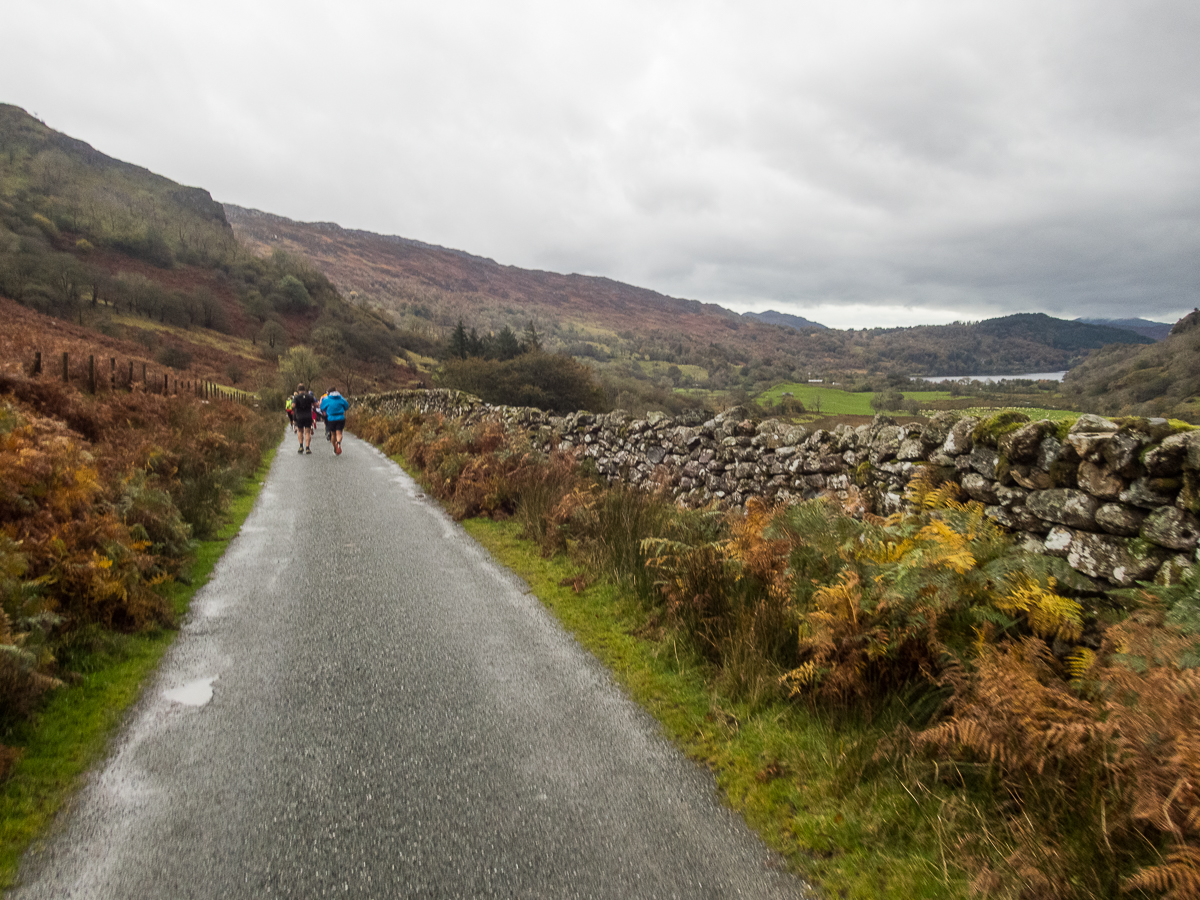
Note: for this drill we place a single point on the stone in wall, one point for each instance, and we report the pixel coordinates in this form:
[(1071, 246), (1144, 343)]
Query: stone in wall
[(1148, 493), (959, 440), (1049, 452), (1022, 445), (1172, 528), (980, 488), (935, 432), (1117, 518), (1031, 477), (1065, 506), (985, 461), (1113, 559), (1099, 481), (1011, 495), (1168, 458)]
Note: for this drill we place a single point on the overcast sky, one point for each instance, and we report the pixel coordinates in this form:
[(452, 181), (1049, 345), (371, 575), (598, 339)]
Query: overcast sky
[(856, 162)]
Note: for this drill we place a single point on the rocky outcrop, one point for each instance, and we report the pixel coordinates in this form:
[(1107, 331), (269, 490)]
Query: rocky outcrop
[(1118, 501)]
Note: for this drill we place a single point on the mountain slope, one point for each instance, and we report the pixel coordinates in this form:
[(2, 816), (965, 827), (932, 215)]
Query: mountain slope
[(771, 317), (444, 285), (429, 289), (132, 254), (1160, 379), (1155, 330)]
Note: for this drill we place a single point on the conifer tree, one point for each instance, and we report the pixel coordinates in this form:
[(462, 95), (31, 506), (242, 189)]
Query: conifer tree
[(459, 345), (531, 341)]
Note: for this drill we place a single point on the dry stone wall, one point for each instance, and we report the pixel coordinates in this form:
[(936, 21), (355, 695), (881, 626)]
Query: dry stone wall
[(1118, 501)]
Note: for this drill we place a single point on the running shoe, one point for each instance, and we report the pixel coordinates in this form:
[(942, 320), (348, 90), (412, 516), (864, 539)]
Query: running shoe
[(308, 449)]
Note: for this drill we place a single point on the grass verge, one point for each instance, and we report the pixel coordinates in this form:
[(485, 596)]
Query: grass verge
[(72, 733), (848, 824)]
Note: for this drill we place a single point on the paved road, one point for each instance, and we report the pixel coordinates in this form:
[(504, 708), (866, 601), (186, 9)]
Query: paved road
[(362, 704)]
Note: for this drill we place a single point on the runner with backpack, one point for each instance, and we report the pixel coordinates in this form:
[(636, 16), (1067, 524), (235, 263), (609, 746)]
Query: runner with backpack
[(303, 404)]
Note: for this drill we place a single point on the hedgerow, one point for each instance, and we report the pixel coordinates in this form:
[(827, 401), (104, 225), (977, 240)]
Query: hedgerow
[(101, 500)]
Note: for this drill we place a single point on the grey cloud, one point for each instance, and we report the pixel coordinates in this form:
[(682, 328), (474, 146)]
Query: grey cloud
[(950, 157)]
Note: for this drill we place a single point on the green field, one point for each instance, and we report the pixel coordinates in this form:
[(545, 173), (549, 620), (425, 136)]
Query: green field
[(832, 402)]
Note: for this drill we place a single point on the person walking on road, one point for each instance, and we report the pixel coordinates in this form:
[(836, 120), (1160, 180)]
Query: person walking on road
[(303, 403), (334, 406), (291, 416)]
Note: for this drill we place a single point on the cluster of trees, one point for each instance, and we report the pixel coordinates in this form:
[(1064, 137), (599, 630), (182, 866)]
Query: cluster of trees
[(503, 345), (894, 401), (506, 370)]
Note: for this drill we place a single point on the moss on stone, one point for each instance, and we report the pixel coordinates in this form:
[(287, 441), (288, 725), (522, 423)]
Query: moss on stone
[(991, 429), (1189, 494), (1003, 470), (1139, 424), (1063, 428)]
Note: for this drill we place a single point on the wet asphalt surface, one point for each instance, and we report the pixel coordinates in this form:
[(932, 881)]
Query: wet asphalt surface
[(391, 715)]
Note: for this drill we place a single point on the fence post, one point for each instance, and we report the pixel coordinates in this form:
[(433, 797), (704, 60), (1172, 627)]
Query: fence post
[(37, 362), (66, 375), (131, 375), (144, 382), (91, 382), (112, 373)]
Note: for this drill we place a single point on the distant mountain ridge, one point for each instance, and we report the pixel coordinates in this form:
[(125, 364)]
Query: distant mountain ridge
[(772, 317), (1155, 330), (429, 288)]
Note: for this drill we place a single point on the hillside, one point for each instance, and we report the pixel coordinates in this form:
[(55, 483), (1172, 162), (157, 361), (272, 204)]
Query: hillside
[(772, 317), (132, 255), (438, 286), (1155, 330), (1160, 379), (428, 289)]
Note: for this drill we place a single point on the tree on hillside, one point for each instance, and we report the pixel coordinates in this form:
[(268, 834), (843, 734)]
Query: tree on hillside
[(476, 346), (273, 337), (291, 294), (887, 401), (459, 345), (531, 341), (300, 365), (68, 278), (507, 346)]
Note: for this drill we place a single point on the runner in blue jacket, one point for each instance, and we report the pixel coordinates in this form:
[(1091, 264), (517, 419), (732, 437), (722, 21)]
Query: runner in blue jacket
[(334, 406)]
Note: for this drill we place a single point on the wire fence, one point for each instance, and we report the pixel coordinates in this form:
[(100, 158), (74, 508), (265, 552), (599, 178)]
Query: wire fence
[(95, 376)]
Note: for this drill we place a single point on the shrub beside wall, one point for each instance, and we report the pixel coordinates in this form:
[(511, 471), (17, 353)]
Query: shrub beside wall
[(1117, 499)]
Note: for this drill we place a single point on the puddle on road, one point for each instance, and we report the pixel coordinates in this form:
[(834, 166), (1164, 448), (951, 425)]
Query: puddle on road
[(194, 693)]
